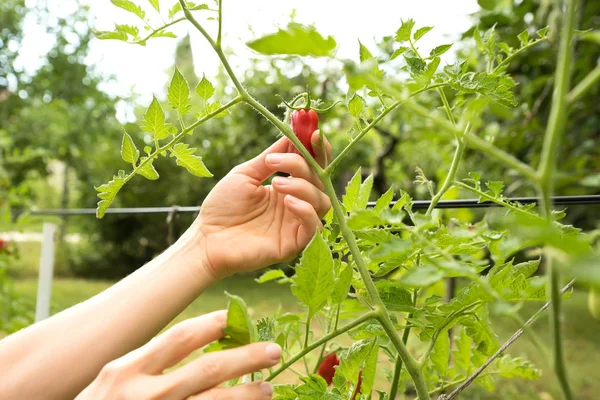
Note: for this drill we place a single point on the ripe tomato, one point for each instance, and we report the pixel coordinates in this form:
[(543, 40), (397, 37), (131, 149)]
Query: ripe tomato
[(304, 123), (327, 367)]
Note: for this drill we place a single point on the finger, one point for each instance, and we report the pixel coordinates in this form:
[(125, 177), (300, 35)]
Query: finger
[(251, 391), (293, 164), (214, 368), (315, 141), (310, 221), (179, 341), (256, 168), (303, 190)]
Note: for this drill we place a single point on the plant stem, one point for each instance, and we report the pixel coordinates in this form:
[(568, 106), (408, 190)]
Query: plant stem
[(307, 331), (220, 23), (159, 29), (367, 128), (446, 106), (382, 316), (283, 127), (178, 137), (335, 325), (502, 348), (324, 339), (508, 59), (458, 153), (586, 84), (554, 131), (398, 365)]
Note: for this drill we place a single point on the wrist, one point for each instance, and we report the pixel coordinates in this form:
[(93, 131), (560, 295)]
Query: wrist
[(193, 248)]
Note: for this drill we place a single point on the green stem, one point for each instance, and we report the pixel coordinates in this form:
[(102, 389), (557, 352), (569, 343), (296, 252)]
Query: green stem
[(178, 137), (586, 84), (367, 128), (283, 127), (447, 106), (335, 325), (306, 334), (324, 339), (159, 29), (458, 153), (383, 317), (554, 132), (508, 59), (398, 365), (220, 23)]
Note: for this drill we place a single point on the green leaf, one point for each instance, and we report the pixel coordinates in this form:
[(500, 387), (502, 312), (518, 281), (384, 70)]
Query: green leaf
[(131, 30), (297, 39), (542, 32), (129, 153), (342, 285), (479, 330), (130, 6), (353, 359), (423, 275), (394, 296), (421, 32), (205, 89), (148, 171), (186, 158), (271, 275), (496, 87), (415, 65), (175, 9), (108, 191), (313, 283), (266, 329), (364, 53), (403, 34), (440, 355), (352, 191), (523, 37), (439, 50), (212, 107), (240, 329), (154, 121), (362, 200), (356, 105), (462, 354), (385, 200), (313, 387), (398, 52), (518, 367), (369, 371), (179, 93), (155, 4), (164, 33), (107, 35)]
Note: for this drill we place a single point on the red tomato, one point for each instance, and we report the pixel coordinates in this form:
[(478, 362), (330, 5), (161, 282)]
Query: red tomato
[(304, 123), (327, 367)]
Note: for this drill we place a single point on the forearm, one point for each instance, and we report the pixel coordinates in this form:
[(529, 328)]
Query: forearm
[(59, 357)]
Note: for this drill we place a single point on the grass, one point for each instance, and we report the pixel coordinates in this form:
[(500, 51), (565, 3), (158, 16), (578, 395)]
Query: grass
[(581, 331)]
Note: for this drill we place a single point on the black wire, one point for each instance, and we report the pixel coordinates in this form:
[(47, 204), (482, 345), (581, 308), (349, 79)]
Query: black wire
[(417, 205)]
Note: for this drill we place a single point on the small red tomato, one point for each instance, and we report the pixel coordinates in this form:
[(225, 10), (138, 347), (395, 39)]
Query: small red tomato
[(327, 367), (304, 123)]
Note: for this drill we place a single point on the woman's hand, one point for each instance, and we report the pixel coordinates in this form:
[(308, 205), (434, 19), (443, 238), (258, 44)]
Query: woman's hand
[(244, 225), (139, 374)]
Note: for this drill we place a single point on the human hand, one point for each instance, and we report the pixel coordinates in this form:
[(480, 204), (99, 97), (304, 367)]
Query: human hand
[(139, 374), (245, 225)]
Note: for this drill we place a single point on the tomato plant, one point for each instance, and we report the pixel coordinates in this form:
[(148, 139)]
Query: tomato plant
[(374, 274)]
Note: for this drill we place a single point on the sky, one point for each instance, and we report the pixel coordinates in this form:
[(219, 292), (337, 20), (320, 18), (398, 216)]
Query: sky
[(143, 70)]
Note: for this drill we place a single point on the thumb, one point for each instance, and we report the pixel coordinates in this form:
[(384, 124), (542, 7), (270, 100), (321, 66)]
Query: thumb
[(256, 168)]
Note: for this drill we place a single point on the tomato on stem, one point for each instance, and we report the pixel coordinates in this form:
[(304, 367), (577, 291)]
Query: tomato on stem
[(304, 123), (327, 367)]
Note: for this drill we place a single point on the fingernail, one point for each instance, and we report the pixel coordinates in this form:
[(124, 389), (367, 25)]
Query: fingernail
[(267, 389), (274, 351), (274, 158), (281, 181)]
